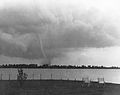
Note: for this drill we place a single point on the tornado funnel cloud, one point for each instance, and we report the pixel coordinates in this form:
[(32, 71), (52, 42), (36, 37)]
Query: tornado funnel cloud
[(41, 46)]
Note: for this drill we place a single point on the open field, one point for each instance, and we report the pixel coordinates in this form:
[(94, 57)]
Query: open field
[(56, 87)]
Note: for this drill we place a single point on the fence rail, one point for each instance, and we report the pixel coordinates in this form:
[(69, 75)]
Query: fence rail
[(34, 76)]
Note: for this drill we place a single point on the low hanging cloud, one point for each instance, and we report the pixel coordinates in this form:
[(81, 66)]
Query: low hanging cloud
[(59, 27), (108, 56)]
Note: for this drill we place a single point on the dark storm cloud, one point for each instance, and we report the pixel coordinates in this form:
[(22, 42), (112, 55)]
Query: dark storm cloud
[(57, 29)]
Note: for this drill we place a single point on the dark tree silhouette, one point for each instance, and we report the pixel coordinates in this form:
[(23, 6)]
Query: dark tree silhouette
[(46, 66), (21, 76)]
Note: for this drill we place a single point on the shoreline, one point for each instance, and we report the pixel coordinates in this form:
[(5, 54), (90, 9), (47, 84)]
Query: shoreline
[(61, 68)]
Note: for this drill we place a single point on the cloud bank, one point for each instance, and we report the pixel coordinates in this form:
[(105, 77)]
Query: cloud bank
[(108, 56), (66, 25)]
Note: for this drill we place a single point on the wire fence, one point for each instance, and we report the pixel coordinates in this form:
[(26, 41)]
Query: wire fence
[(32, 76), (51, 76)]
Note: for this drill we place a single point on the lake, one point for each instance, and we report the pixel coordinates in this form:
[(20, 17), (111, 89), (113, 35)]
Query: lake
[(110, 75)]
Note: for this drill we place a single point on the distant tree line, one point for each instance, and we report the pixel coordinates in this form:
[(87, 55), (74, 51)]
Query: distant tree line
[(47, 66)]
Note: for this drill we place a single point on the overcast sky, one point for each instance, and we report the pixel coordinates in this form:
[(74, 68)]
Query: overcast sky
[(71, 32)]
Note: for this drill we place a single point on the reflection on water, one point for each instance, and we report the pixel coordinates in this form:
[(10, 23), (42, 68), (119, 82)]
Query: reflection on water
[(110, 75)]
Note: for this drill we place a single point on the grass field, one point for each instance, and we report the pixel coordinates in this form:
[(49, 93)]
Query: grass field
[(56, 87)]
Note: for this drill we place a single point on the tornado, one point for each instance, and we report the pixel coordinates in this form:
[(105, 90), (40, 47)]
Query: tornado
[(41, 45)]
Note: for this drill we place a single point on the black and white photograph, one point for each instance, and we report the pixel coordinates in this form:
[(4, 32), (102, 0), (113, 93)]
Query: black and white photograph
[(59, 47)]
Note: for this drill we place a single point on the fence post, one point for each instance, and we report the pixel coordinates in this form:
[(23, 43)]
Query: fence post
[(9, 76), (75, 79), (67, 78), (61, 77), (33, 76), (40, 76), (1, 76), (51, 76)]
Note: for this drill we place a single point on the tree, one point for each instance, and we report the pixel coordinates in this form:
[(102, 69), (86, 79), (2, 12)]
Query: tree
[(21, 76)]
